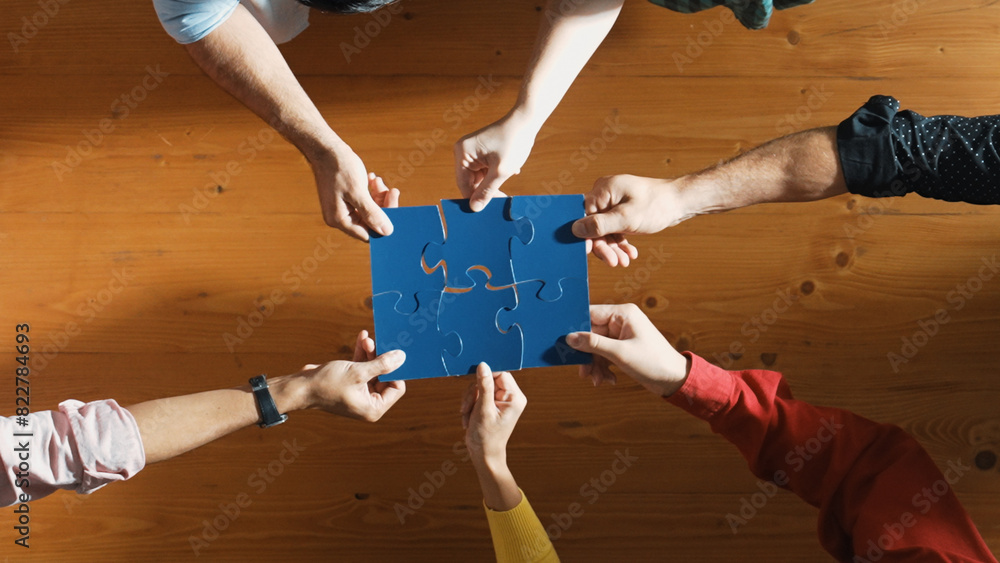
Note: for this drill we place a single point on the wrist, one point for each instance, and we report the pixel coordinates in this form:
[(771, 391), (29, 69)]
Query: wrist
[(677, 368), (697, 195), (526, 119), (328, 151), (290, 393), (489, 463)]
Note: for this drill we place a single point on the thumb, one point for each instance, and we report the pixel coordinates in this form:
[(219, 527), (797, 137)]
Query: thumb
[(601, 224), (484, 381), (487, 189), (595, 344), (382, 365), (371, 214)]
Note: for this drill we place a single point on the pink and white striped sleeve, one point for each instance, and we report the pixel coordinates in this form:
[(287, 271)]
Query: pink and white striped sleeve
[(81, 446)]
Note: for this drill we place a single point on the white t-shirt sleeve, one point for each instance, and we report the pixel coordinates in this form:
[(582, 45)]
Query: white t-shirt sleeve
[(188, 21)]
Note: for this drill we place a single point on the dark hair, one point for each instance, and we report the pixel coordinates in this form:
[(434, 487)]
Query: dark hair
[(346, 6)]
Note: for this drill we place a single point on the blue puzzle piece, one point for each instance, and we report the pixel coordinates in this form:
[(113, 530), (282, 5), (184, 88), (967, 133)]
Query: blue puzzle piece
[(554, 252), (397, 259), (477, 239), (415, 333), (545, 324), (472, 315)]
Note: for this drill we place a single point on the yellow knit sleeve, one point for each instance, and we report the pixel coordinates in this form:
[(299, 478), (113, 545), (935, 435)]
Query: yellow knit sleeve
[(518, 535)]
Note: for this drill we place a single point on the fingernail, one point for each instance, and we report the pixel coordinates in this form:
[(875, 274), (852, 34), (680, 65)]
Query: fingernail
[(573, 339), (476, 205), (578, 229)]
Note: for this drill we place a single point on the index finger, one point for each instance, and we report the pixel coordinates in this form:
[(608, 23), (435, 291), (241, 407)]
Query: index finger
[(391, 392), (506, 385), (601, 314), (467, 171)]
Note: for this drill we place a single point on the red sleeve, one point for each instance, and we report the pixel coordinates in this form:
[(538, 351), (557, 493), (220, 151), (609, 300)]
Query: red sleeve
[(880, 495)]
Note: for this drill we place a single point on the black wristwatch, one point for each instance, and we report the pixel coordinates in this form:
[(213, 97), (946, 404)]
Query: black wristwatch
[(269, 415)]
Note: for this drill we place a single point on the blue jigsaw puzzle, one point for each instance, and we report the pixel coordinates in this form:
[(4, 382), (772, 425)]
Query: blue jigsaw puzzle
[(415, 333), (545, 324), (468, 313), (504, 286), (553, 252), (397, 260), (477, 240)]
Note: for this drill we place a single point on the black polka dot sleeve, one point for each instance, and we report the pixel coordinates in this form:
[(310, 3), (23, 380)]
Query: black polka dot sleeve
[(885, 152)]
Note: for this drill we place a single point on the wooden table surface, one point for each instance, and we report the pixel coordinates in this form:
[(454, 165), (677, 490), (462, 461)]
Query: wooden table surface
[(142, 239)]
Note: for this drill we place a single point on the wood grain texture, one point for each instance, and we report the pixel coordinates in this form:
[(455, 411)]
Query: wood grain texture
[(151, 202)]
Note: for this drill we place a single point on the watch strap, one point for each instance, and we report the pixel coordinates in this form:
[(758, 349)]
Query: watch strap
[(269, 415)]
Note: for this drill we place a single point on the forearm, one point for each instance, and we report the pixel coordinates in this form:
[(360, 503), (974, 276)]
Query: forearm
[(500, 490), (566, 40), (800, 167), (172, 426), (242, 58)]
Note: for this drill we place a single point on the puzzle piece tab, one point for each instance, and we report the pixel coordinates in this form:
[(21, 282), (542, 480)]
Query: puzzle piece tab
[(545, 324), (473, 315), (554, 252), (415, 333), (478, 239), (397, 259)]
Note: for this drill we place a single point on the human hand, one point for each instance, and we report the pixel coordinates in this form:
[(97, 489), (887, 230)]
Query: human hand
[(624, 204), (622, 335), (490, 409), (346, 203), (350, 388), (486, 158), (383, 196)]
